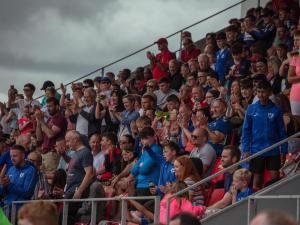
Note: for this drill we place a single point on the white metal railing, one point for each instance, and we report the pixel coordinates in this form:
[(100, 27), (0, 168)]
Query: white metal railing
[(94, 201), (254, 200), (225, 170)]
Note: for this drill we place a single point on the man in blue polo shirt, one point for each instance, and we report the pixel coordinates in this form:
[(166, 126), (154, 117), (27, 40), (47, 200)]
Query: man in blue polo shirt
[(219, 130), (263, 127)]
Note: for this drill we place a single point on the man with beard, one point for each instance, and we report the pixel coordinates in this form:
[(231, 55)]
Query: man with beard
[(19, 181), (230, 155), (47, 132)]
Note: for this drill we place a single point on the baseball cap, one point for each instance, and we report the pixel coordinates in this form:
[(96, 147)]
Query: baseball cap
[(97, 79), (255, 58), (47, 84), (105, 80), (161, 41)]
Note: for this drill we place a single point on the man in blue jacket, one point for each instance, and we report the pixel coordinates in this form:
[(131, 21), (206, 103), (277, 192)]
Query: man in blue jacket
[(263, 127), (146, 170), (19, 182)]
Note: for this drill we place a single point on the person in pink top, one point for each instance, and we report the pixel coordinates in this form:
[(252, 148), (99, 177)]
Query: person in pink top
[(294, 77), (177, 205)]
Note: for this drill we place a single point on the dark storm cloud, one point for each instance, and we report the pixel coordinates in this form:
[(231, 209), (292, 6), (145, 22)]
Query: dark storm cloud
[(69, 38), (15, 14)]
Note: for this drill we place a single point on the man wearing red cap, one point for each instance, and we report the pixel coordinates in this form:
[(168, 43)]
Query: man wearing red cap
[(159, 63)]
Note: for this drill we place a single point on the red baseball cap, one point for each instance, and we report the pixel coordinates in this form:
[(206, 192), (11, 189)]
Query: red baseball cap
[(255, 58), (161, 41)]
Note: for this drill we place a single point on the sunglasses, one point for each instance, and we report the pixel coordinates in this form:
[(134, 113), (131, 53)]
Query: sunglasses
[(26, 89), (194, 136), (150, 86)]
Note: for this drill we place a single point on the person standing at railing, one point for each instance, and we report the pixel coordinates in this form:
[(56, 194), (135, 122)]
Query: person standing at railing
[(264, 126), (159, 63)]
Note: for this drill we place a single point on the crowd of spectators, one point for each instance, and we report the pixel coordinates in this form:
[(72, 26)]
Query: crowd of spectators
[(162, 128)]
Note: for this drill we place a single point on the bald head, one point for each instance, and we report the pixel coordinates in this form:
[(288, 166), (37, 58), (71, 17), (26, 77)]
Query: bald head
[(273, 217), (73, 139), (199, 137), (24, 140), (36, 159)]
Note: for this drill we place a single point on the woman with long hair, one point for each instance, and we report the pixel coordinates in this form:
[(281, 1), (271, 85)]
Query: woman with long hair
[(178, 204), (186, 171)]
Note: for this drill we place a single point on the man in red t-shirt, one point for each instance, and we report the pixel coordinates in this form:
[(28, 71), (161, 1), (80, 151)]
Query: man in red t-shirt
[(189, 51), (159, 63), (48, 131)]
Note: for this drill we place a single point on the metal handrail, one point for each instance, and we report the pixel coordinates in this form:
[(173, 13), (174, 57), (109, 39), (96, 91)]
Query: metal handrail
[(93, 211), (252, 204), (150, 45), (226, 170)]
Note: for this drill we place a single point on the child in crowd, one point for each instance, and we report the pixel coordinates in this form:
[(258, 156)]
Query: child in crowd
[(239, 189), (167, 172), (25, 122)]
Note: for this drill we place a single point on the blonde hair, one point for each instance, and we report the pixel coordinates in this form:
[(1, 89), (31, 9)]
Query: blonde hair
[(243, 174), (36, 212)]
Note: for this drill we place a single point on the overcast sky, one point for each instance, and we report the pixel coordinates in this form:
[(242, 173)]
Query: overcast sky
[(61, 40)]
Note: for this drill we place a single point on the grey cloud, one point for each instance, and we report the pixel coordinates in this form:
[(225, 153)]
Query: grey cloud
[(15, 14), (70, 38)]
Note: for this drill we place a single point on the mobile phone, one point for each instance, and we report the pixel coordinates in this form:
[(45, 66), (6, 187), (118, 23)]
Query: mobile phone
[(68, 96)]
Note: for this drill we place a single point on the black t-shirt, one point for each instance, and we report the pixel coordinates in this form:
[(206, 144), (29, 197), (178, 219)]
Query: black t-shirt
[(80, 160)]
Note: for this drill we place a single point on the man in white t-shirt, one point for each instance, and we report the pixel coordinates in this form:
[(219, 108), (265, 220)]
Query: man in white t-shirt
[(98, 155), (29, 90), (86, 122)]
